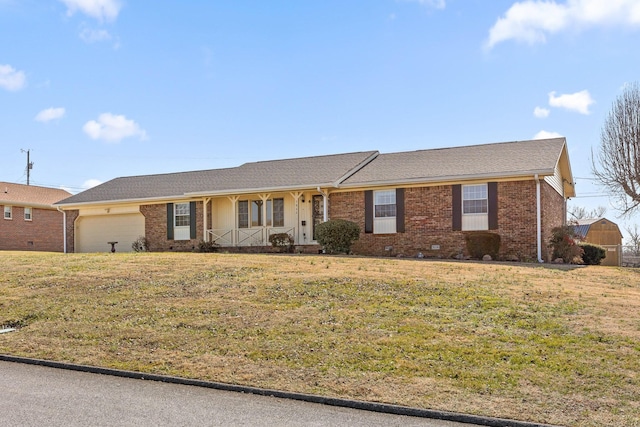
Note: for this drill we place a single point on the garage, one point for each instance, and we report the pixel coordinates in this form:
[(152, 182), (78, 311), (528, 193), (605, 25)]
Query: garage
[(94, 232)]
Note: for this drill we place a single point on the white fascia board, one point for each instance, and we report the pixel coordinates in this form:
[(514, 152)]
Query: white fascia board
[(27, 205), (68, 206), (258, 190), (452, 178)]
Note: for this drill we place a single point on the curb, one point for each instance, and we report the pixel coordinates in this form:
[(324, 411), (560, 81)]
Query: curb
[(332, 401)]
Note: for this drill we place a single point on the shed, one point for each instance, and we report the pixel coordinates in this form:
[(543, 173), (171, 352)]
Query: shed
[(603, 232)]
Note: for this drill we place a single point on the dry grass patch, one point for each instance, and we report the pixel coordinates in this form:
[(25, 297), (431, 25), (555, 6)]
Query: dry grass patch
[(505, 340)]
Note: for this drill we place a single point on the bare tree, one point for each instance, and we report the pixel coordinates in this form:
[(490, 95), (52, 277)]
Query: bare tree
[(580, 212), (634, 236), (618, 160)]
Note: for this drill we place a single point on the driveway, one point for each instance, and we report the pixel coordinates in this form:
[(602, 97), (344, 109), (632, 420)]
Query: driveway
[(37, 396)]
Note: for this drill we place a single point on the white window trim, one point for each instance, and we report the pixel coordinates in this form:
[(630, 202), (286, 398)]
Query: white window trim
[(30, 214), (386, 224), (476, 221), (8, 209), (181, 232)]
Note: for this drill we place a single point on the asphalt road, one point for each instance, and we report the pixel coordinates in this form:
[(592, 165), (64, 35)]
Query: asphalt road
[(41, 396)]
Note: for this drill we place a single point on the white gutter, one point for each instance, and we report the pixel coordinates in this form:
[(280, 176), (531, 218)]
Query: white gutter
[(538, 219), (64, 229)]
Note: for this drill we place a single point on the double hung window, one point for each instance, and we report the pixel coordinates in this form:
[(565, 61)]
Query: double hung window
[(384, 208), (475, 207), (27, 214), (7, 212)]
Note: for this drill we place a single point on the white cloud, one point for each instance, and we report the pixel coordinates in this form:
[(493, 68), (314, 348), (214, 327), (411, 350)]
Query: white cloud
[(579, 101), (89, 35), (543, 134), (12, 79), (541, 113), (50, 114), (531, 21), (91, 183), (113, 128), (437, 4), (102, 10)]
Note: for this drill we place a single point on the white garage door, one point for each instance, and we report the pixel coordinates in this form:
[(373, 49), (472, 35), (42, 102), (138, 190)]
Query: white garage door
[(93, 232)]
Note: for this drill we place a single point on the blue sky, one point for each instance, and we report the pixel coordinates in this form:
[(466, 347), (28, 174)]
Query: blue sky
[(98, 89)]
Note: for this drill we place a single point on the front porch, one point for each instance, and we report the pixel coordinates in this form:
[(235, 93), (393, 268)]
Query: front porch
[(245, 221)]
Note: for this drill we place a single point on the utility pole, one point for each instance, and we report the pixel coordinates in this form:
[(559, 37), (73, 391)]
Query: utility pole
[(29, 163)]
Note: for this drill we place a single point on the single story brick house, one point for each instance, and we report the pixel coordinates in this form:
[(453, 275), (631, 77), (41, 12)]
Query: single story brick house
[(405, 203), (30, 222)]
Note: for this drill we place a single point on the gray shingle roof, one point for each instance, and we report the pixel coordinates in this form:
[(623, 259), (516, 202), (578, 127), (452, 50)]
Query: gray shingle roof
[(491, 160), (518, 158), (308, 172)]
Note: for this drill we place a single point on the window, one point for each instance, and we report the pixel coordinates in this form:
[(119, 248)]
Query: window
[(475, 207), (474, 199), (384, 211), (278, 212), (254, 209), (256, 213), (27, 214), (181, 216), (385, 204), (243, 214), (7, 212)]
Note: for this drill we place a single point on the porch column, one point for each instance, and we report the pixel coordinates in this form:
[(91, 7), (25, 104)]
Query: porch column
[(296, 196), (205, 202), (234, 202), (325, 203), (265, 230)]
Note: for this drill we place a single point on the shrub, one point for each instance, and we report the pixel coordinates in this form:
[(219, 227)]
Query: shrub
[(564, 245), (337, 235), (207, 246), (481, 243), (141, 244), (282, 241), (592, 254)]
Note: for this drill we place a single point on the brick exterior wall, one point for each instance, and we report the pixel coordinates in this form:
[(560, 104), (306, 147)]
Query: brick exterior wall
[(43, 233), (156, 229), (428, 221)]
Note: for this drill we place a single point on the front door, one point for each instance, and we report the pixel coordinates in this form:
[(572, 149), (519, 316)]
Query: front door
[(318, 212)]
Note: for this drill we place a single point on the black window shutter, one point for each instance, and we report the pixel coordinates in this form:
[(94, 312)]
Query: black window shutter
[(169, 221), (368, 211), (456, 205), (192, 219), (399, 210), (492, 188)]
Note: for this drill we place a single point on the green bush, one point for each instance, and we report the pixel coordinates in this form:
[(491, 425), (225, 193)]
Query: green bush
[(207, 246), (592, 254), (282, 241), (564, 245), (141, 244), (337, 235), (481, 243)]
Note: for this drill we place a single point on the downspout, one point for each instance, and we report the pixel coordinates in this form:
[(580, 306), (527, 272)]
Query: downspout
[(64, 229), (538, 219)]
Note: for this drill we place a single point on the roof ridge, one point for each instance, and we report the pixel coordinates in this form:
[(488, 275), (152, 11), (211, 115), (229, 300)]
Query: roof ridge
[(477, 145)]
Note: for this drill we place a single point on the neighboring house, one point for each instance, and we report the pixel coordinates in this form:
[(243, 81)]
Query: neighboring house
[(605, 233), (405, 203), (30, 221)]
